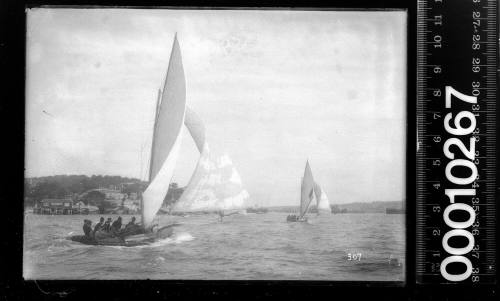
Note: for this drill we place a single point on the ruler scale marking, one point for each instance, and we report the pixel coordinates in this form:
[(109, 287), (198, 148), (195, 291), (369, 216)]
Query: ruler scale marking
[(460, 51)]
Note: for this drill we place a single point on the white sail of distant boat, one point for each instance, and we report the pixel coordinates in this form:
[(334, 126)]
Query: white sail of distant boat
[(215, 184), (167, 137), (306, 190), (322, 202)]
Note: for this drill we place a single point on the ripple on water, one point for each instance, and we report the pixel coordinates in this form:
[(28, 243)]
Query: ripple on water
[(260, 246)]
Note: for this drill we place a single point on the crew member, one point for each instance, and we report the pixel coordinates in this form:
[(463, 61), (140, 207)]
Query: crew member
[(131, 223), (107, 225), (87, 227), (116, 226), (99, 225)]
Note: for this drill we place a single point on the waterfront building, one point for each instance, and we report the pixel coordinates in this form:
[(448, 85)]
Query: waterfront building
[(81, 208), (54, 206)]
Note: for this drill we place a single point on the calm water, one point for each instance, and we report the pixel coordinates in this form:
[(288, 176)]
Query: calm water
[(252, 246)]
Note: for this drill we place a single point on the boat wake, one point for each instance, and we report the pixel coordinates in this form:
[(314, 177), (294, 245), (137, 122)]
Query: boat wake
[(177, 238), (174, 239), (61, 244), (183, 237)]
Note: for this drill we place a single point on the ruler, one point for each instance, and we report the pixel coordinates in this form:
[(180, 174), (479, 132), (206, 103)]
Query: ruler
[(457, 59)]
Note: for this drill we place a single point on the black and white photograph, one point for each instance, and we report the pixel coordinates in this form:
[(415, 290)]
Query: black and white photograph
[(209, 144)]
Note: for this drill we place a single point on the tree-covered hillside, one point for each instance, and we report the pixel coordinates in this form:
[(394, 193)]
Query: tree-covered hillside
[(75, 186), (61, 186)]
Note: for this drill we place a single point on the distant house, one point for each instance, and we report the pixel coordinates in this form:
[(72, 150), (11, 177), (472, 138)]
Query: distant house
[(81, 208), (54, 206), (79, 204), (111, 195), (131, 205)]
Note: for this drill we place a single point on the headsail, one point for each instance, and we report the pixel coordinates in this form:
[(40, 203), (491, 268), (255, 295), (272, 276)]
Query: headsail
[(306, 190), (215, 184), (196, 128), (322, 202), (167, 136)]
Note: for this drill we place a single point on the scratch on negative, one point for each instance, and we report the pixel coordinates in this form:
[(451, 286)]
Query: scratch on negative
[(60, 294)]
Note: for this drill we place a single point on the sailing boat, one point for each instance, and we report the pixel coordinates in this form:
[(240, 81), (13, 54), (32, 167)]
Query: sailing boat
[(322, 202), (167, 136), (306, 196), (215, 185)]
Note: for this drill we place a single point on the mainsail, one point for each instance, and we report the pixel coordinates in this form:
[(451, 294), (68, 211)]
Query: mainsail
[(322, 202), (167, 136), (215, 184), (306, 190)]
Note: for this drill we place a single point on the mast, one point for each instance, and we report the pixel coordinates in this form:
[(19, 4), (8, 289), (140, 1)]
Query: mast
[(152, 147), (307, 202), (158, 101)]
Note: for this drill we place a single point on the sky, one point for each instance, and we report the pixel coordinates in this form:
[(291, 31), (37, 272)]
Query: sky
[(274, 89)]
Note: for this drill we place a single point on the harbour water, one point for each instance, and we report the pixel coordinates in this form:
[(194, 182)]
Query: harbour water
[(340, 247)]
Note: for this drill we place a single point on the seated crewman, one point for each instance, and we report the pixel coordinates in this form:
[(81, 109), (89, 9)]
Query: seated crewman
[(99, 225), (87, 228), (116, 226), (131, 223), (107, 225)]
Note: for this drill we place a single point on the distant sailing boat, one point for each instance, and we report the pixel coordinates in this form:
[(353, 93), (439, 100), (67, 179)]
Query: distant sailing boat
[(306, 196), (167, 136), (215, 184)]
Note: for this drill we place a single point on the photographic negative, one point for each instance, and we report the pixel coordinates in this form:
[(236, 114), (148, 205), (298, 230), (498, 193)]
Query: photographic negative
[(215, 144)]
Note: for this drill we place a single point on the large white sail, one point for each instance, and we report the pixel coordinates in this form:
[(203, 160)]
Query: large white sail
[(167, 136), (215, 184), (322, 202), (196, 128), (306, 190)]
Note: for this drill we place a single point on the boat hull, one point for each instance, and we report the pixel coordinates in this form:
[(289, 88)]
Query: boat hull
[(115, 241), (101, 239), (83, 239), (295, 218)]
